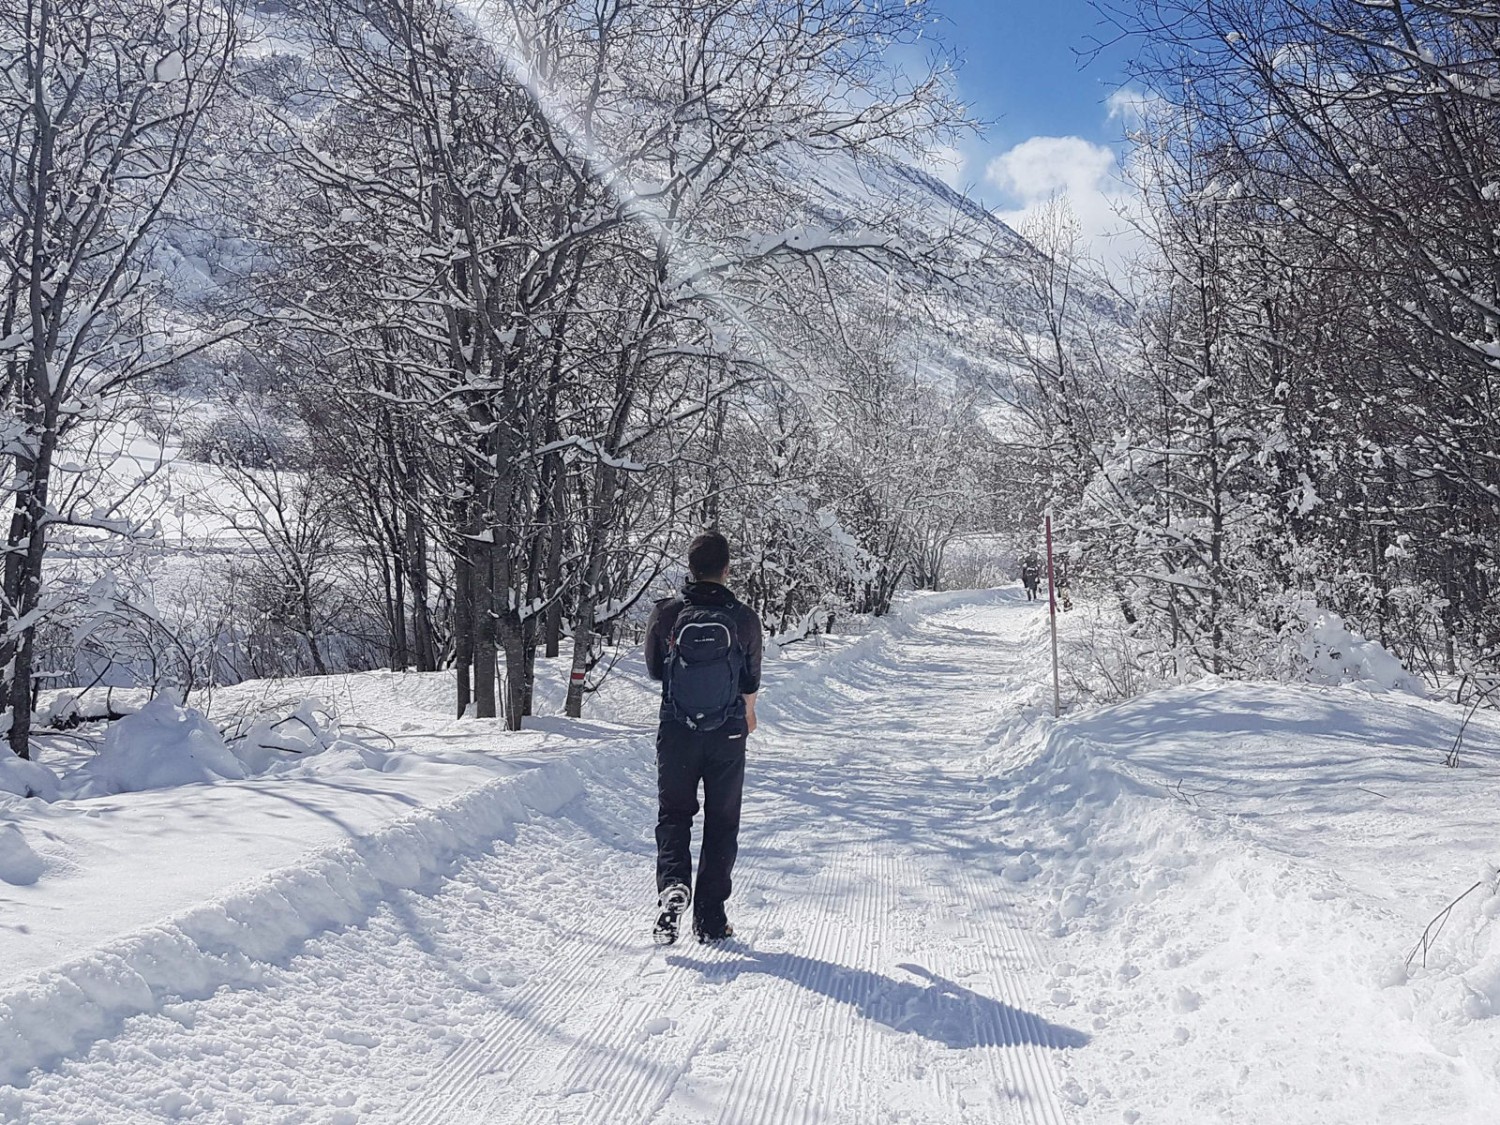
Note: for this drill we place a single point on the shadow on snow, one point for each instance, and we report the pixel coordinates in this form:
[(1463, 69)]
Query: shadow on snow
[(931, 1006)]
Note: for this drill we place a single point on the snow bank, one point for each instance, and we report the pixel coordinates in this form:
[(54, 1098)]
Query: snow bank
[(60, 1011), (164, 745), (160, 746), (1235, 875)]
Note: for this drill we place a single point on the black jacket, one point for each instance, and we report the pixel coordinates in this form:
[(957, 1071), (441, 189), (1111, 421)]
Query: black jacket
[(746, 628)]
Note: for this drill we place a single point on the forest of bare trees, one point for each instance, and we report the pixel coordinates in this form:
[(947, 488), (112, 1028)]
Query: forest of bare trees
[(477, 312), (470, 315), (1304, 417)]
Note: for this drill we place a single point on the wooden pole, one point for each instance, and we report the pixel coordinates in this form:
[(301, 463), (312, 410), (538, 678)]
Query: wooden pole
[(1052, 609)]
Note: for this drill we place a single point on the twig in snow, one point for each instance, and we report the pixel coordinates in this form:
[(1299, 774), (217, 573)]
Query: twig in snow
[(1190, 797), (1178, 792), (1451, 760), (1435, 927), (373, 730)]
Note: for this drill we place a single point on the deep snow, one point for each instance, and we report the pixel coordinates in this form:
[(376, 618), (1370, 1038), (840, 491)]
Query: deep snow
[(1193, 906)]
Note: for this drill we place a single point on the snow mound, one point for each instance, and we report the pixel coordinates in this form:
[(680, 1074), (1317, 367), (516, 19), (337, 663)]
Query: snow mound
[(26, 779), (160, 746), (1225, 856), (19, 865), (1324, 650), (163, 745)]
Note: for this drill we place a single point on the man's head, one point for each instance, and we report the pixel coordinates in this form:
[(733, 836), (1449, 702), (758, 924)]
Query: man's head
[(708, 557)]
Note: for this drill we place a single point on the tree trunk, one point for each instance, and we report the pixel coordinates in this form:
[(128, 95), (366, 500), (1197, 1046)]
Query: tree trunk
[(530, 636), (513, 645), (554, 621), (485, 653), (583, 638), (585, 614), (309, 628), (23, 581), (393, 575), (423, 634), (463, 624)]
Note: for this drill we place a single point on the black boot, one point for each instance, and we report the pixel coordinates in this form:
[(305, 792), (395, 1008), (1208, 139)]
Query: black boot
[(673, 900), (709, 930)]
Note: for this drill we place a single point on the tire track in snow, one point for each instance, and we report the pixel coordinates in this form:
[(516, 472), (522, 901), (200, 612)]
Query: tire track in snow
[(832, 1073), (1005, 1035), (839, 1030), (637, 1081), (651, 1070), (1026, 1066)]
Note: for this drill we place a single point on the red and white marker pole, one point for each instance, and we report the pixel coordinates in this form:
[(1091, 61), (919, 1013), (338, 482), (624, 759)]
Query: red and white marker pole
[(1052, 608)]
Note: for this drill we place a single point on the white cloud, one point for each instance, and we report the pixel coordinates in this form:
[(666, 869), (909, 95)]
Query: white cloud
[(1087, 175), (1043, 166), (1133, 107)]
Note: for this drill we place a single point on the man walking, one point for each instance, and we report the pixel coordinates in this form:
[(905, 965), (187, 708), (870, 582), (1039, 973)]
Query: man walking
[(705, 648), (1031, 576)]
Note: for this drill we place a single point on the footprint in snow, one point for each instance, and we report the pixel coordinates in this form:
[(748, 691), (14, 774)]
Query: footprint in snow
[(660, 1025)]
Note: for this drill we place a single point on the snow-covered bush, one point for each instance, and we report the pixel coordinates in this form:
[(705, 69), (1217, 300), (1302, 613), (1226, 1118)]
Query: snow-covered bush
[(980, 563), (1103, 660), (230, 438), (1319, 647), (262, 742), (160, 746), (164, 745), (798, 565)]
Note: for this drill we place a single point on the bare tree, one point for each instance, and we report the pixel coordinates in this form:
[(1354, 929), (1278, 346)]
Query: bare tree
[(107, 105), (280, 511)]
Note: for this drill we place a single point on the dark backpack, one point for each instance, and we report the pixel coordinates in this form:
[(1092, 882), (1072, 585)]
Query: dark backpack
[(703, 667)]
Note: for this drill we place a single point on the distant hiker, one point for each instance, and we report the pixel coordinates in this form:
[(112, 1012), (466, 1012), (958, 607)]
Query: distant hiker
[(1031, 577), (705, 648)]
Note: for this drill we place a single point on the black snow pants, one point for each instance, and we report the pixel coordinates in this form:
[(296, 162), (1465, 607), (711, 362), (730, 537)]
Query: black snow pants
[(685, 758)]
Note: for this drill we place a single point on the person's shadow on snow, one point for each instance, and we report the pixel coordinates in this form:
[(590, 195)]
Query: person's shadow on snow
[(932, 1007)]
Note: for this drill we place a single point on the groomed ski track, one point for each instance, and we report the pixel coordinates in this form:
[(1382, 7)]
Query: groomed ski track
[(883, 971)]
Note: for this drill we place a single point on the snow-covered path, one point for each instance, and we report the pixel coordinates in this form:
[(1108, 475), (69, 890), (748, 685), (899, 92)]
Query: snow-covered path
[(883, 972), (880, 975)]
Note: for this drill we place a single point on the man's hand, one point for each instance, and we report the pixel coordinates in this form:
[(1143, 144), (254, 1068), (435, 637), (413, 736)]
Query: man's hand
[(750, 714)]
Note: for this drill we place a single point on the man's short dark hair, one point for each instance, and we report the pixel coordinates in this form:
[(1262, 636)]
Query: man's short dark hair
[(708, 556)]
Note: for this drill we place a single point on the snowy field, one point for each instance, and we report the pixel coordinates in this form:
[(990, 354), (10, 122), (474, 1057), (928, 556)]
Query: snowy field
[(1194, 906)]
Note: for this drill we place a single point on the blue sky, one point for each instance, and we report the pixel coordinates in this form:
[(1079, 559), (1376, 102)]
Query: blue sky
[(1021, 69), (1053, 127)]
